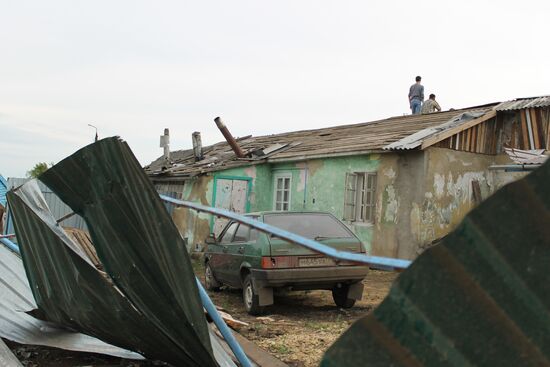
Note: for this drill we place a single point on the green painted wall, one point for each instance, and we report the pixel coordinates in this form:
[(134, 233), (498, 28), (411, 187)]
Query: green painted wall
[(420, 195)]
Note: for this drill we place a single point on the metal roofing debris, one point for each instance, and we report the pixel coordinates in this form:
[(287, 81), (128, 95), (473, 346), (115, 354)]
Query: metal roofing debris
[(415, 140), (332, 141), (520, 156), (7, 359), (480, 298), (3, 190), (58, 208), (138, 245), (17, 325), (521, 103)]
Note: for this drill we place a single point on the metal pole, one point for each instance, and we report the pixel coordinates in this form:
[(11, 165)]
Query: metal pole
[(12, 246), (222, 326), (230, 139), (375, 261)]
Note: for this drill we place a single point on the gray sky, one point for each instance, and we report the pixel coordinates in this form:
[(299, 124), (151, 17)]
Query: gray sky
[(133, 68)]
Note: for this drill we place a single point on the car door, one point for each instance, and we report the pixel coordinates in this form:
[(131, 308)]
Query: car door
[(236, 250), (220, 258)]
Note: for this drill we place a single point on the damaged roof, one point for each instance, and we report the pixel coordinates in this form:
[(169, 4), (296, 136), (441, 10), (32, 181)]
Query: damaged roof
[(341, 140)]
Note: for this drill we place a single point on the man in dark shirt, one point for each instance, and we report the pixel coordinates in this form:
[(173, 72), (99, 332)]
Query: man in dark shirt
[(416, 96)]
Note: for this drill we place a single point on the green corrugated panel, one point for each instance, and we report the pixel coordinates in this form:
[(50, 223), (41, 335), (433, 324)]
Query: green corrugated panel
[(70, 291), (480, 298), (138, 245), (136, 240)]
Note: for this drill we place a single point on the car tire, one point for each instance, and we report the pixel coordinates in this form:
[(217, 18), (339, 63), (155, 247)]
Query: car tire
[(250, 297), (340, 297), (210, 281)]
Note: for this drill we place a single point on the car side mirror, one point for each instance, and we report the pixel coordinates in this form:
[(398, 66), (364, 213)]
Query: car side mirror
[(211, 239)]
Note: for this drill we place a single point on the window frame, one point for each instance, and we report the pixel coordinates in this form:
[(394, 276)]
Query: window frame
[(357, 207), (276, 178)]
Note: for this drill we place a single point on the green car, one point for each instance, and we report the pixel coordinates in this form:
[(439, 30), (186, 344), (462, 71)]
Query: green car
[(242, 257)]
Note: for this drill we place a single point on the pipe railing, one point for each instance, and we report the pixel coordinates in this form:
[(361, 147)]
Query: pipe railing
[(374, 261)]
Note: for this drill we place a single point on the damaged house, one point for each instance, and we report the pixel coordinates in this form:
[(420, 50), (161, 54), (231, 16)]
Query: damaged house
[(400, 183)]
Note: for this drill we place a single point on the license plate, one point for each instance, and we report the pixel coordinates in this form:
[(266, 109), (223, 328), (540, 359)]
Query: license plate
[(315, 261)]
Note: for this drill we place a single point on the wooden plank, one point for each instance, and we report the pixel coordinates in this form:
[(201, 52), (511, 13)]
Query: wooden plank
[(258, 355), (524, 132), (450, 132), (468, 137), (476, 192), (483, 136), (536, 129)]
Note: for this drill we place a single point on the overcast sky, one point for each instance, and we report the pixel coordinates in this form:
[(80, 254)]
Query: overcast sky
[(133, 68)]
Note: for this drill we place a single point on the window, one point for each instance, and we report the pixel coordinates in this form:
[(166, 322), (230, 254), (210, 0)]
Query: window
[(281, 200), (228, 235), (359, 197), (242, 234)]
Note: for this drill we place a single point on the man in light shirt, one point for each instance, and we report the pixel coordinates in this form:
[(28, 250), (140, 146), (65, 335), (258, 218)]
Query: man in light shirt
[(431, 105)]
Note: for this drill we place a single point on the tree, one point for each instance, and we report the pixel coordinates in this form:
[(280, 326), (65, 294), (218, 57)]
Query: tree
[(38, 169)]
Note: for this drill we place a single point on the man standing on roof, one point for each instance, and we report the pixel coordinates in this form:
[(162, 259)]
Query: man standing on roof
[(431, 105), (416, 96)]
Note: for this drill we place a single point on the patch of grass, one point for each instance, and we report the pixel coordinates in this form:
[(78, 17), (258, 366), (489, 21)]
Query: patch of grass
[(281, 349), (315, 325), (198, 266)]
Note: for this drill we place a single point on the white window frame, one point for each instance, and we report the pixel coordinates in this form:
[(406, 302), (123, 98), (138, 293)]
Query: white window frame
[(275, 189), (356, 206)]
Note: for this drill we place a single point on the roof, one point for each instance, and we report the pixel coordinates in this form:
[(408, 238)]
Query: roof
[(354, 139), (395, 133), (521, 103)]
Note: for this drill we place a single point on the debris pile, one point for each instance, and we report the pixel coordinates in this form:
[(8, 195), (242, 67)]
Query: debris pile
[(146, 299)]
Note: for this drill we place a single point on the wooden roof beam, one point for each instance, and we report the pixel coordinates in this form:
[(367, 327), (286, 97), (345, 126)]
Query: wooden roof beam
[(448, 133)]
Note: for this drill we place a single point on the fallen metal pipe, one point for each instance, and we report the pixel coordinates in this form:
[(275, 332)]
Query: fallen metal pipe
[(222, 326), (12, 246), (230, 139), (375, 261)]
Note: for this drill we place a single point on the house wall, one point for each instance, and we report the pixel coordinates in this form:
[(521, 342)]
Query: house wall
[(420, 195)]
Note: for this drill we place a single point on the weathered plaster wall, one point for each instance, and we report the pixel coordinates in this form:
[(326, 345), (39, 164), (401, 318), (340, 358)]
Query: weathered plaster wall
[(193, 225), (196, 226), (420, 195), (318, 185), (399, 186), (448, 192)]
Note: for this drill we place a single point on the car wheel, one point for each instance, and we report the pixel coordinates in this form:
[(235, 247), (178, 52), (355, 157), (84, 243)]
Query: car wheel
[(340, 296), (250, 297), (210, 282)]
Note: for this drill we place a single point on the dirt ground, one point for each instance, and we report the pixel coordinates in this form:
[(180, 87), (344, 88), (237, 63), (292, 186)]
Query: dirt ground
[(297, 329), (300, 326)]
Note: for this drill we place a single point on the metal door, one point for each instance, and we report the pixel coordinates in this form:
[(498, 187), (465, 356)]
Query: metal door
[(231, 194)]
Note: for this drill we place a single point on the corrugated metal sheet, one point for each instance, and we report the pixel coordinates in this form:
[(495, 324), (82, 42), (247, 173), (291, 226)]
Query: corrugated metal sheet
[(521, 103), (17, 325), (136, 241), (3, 190), (520, 156), (7, 358), (480, 298), (57, 207), (83, 299), (415, 140)]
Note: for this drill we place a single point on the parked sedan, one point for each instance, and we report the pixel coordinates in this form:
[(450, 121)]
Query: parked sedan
[(243, 257)]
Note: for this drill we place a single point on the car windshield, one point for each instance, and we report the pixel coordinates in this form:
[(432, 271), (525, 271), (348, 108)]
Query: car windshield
[(309, 225)]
